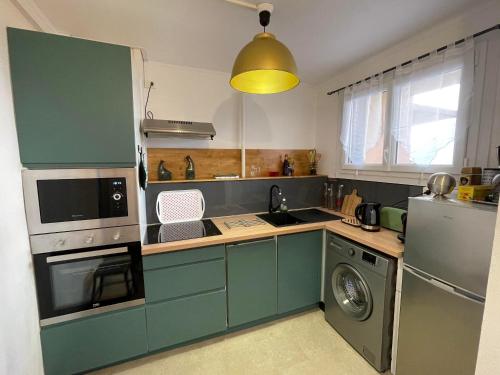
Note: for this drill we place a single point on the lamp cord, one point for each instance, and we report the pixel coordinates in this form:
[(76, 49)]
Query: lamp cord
[(148, 114)]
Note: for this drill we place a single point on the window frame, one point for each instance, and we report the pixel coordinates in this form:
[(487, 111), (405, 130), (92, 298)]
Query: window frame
[(372, 167), (391, 144)]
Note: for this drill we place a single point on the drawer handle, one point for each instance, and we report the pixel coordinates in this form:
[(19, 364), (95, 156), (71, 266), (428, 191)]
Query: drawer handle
[(251, 242)]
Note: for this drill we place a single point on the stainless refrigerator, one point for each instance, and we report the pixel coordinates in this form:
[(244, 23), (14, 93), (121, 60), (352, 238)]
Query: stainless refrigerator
[(446, 264)]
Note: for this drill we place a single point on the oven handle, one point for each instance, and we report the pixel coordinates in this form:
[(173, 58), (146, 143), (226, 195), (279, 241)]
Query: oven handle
[(88, 254)]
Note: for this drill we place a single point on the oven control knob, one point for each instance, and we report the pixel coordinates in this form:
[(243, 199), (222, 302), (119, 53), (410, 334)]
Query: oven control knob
[(117, 196), (116, 236), (89, 239), (351, 252)]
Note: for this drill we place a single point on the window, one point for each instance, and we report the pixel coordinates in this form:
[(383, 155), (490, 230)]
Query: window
[(416, 120), (363, 135)]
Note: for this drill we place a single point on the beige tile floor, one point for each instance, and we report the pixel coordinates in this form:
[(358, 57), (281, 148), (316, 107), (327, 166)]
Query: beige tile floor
[(301, 344)]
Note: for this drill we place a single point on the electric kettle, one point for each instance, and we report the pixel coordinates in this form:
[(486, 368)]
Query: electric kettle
[(368, 215)]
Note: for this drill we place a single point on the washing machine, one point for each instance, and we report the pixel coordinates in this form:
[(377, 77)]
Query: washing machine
[(359, 298)]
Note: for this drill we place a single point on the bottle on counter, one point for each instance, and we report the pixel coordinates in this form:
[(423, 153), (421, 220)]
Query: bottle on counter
[(339, 199), (324, 203), (331, 197)]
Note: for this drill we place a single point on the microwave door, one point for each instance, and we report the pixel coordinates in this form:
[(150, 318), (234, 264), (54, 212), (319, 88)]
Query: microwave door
[(69, 200)]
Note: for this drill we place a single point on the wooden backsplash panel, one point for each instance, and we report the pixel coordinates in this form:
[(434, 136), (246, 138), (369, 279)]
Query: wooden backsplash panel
[(272, 160), (207, 162)]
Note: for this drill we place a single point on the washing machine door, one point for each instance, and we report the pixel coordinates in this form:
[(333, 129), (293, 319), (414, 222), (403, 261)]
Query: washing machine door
[(351, 292)]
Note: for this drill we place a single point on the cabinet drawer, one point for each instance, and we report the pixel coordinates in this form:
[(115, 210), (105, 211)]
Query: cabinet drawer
[(182, 257), (84, 344), (180, 320), (178, 281)]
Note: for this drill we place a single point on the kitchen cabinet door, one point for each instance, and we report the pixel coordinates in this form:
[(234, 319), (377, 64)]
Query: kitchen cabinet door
[(84, 344), (299, 270), (251, 281), (72, 99)]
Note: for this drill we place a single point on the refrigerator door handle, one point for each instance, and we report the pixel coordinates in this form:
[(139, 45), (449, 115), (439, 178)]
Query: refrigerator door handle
[(448, 288)]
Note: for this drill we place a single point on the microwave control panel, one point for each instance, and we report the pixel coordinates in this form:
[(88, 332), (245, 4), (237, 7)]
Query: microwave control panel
[(117, 196)]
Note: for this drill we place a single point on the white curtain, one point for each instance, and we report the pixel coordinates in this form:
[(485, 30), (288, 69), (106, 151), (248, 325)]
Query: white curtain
[(362, 119), (430, 103)]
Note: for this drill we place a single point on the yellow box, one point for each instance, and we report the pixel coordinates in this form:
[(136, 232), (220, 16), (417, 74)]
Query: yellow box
[(474, 192)]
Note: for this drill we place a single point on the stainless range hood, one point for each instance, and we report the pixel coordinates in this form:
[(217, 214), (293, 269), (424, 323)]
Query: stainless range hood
[(172, 128)]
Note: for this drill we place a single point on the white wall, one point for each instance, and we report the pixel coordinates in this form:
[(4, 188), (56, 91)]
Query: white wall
[(137, 88), (285, 120), (488, 361), (446, 32), (19, 331)]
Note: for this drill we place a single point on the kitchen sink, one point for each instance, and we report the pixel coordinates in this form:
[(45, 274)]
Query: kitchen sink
[(281, 219), (309, 215)]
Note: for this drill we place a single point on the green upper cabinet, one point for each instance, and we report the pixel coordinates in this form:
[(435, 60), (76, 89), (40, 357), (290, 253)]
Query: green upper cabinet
[(73, 101), (251, 281), (299, 270)]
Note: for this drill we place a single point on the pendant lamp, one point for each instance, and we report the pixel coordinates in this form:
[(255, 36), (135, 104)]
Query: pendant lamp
[(265, 65)]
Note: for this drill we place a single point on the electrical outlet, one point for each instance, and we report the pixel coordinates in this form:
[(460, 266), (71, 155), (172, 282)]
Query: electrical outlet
[(148, 83)]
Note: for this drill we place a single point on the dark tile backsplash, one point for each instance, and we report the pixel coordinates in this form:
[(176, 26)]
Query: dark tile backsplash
[(395, 195), (244, 196)]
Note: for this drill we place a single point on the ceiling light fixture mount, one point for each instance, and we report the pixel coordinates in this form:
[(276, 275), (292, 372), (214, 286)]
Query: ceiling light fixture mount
[(265, 65)]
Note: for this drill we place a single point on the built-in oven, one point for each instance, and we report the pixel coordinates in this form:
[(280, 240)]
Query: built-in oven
[(84, 281), (59, 200), (85, 241)]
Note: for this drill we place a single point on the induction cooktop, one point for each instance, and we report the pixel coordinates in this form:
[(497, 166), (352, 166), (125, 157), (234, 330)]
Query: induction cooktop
[(160, 233)]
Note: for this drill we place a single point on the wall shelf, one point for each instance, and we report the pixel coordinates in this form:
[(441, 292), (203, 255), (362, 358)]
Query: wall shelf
[(233, 179), (210, 162)]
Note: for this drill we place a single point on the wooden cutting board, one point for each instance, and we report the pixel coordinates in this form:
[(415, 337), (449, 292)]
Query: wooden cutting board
[(351, 201)]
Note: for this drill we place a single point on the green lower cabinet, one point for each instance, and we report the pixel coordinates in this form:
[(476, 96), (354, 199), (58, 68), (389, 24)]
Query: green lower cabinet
[(251, 281), (92, 342), (184, 319), (299, 270)]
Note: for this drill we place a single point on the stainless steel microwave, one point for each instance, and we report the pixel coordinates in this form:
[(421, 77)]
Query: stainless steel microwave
[(60, 200)]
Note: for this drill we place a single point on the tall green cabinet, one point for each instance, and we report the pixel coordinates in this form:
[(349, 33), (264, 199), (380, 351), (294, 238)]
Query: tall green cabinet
[(73, 101)]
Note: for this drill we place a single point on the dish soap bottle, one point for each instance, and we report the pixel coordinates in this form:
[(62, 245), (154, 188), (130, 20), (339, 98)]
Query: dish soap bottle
[(283, 206), (190, 173)]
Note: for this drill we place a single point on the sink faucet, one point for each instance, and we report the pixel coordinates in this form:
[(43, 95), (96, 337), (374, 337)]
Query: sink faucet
[(273, 191)]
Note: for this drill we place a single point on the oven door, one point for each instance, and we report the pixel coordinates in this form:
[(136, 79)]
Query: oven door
[(61, 200), (76, 283)]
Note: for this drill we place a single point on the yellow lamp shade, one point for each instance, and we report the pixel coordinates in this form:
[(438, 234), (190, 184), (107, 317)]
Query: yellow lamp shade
[(264, 66)]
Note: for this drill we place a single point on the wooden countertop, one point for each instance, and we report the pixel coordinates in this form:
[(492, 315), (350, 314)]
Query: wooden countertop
[(385, 240)]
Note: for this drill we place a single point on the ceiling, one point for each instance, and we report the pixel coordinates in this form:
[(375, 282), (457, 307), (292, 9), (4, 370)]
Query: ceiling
[(325, 36)]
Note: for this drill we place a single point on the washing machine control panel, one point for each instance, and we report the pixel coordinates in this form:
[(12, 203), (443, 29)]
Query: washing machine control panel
[(370, 258)]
